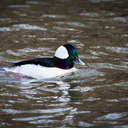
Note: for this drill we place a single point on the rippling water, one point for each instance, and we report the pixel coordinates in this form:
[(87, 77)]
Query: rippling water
[(95, 96)]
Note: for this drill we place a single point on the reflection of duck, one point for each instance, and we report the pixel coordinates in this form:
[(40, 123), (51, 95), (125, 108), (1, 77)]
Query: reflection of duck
[(61, 63)]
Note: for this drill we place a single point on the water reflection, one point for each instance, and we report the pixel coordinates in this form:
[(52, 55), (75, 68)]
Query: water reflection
[(50, 97)]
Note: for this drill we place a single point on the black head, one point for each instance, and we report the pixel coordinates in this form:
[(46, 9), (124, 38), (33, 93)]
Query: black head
[(66, 56)]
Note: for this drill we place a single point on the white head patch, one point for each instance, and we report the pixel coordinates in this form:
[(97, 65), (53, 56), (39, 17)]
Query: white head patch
[(61, 53)]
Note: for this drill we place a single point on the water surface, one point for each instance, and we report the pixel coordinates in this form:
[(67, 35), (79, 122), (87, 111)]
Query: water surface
[(95, 96)]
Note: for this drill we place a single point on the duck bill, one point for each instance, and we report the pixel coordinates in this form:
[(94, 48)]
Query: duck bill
[(78, 61)]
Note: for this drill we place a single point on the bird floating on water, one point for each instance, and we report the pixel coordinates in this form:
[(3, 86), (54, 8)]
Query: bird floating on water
[(42, 68)]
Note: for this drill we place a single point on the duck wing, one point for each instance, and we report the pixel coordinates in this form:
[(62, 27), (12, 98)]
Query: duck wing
[(47, 62)]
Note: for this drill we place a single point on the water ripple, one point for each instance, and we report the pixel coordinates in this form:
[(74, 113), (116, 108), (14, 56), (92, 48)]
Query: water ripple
[(19, 27), (71, 24), (90, 14), (112, 116), (109, 66), (41, 111), (117, 49), (32, 2), (64, 28), (53, 16), (33, 118), (25, 51), (98, 1), (121, 19), (85, 124), (19, 6)]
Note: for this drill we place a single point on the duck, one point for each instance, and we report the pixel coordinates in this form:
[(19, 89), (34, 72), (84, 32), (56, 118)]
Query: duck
[(60, 64)]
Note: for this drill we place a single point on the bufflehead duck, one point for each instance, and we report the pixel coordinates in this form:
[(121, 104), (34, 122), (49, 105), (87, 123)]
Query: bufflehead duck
[(61, 63)]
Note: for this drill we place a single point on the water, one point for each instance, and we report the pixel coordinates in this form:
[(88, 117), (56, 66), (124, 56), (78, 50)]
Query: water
[(95, 96)]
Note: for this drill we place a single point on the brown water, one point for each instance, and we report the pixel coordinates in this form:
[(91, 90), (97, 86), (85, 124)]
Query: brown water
[(95, 96)]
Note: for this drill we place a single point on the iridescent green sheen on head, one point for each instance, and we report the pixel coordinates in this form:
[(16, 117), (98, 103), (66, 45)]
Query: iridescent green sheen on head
[(72, 52), (69, 61)]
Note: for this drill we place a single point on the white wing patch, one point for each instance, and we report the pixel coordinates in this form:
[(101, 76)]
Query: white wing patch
[(61, 53)]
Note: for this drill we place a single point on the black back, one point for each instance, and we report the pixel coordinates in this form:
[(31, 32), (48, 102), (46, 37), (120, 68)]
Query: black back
[(47, 62)]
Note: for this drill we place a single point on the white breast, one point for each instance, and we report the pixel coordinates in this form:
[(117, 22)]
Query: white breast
[(39, 72)]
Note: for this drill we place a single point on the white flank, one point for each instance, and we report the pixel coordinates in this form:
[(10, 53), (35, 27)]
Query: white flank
[(39, 72), (62, 53)]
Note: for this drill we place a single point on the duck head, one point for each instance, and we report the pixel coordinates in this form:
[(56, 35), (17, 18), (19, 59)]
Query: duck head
[(66, 56)]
